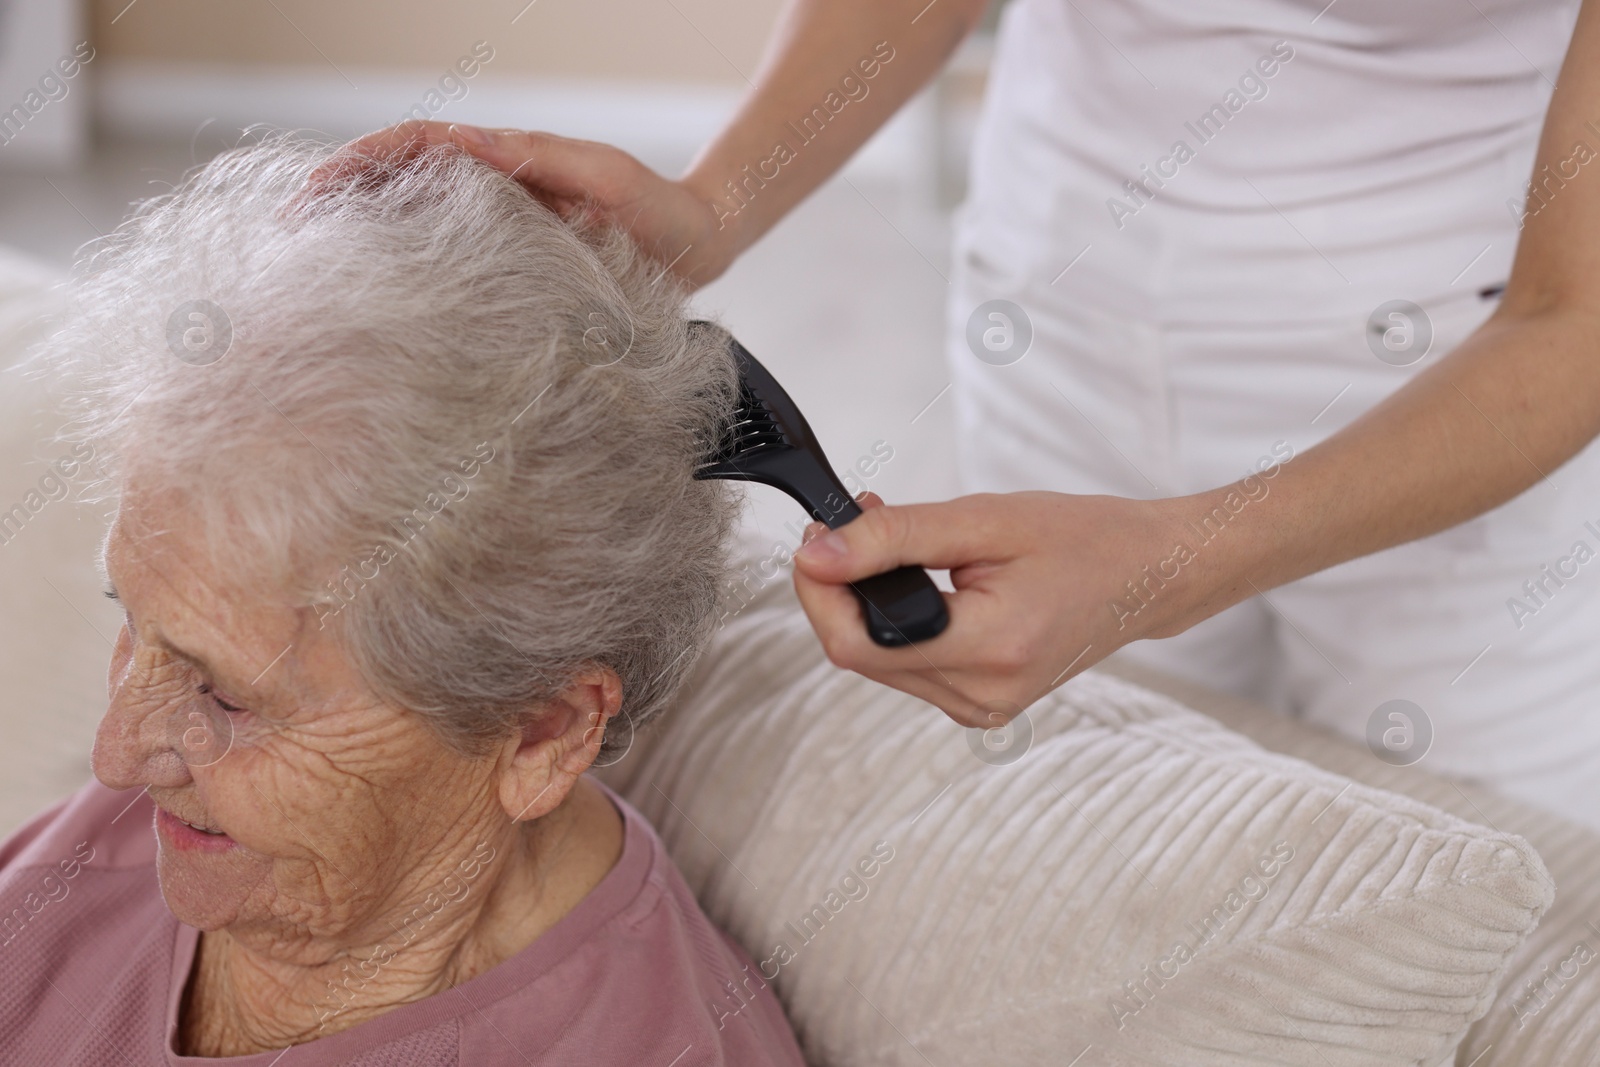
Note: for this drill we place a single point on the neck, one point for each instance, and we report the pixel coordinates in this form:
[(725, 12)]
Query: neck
[(244, 998)]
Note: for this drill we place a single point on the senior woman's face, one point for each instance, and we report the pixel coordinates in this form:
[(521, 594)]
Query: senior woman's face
[(330, 804)]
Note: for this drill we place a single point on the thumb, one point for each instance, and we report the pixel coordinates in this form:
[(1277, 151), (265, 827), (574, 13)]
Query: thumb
[(938, 536)]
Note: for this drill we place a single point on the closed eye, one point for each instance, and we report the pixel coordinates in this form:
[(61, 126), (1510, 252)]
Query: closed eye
[(218, 701)]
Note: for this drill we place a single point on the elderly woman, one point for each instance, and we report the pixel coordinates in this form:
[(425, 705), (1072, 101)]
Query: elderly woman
[(407, 539)]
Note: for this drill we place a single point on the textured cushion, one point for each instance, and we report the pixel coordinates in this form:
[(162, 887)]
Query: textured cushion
[(1547, 1013), (1142, 886)]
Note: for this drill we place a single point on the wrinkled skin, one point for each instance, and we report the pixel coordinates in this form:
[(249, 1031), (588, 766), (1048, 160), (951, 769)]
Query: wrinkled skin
[(344, 818)]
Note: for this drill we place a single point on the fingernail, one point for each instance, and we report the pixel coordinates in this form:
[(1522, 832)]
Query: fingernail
[(476, 134), (828, 546)]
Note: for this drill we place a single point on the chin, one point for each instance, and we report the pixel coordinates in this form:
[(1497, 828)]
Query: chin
[(206, 891)]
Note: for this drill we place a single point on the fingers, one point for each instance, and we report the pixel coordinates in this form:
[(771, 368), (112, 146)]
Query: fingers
[(397, 143), (583, 181), (953, 534), (936, 689), (1028, 607), (992, 649), (867, 501), (835, 616), (558, 170), (553, 167)]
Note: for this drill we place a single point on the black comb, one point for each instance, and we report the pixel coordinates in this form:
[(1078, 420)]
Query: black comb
[(768, 441)]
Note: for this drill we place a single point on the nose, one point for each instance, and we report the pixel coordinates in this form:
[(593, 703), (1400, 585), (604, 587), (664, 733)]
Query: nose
[(134, 744)]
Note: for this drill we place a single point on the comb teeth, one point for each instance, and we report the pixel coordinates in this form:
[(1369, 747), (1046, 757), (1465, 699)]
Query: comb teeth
[(752, 430)]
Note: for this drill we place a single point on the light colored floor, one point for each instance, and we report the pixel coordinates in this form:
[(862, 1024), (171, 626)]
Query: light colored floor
[(843, 302)]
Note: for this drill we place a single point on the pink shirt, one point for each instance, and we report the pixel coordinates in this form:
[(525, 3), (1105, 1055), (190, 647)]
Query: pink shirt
[(93, 965)]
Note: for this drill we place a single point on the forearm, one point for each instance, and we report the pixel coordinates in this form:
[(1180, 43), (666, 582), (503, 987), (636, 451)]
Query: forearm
[(786, 139), (1497, 416)]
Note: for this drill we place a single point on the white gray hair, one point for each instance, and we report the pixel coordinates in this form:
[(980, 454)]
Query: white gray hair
[(314, 373)]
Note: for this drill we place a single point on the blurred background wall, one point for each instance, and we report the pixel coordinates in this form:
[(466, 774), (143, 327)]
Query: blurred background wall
[(37, 65), (656, 77), (844, 300), (702, 42)]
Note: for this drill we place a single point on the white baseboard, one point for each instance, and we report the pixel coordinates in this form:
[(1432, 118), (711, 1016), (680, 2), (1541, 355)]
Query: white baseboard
[(662, 124)]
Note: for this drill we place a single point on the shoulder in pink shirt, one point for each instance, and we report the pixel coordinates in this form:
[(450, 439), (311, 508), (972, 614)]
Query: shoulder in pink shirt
[(94, 966)]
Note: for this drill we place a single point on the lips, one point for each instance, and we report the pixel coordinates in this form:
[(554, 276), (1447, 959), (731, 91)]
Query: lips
[(174, 816), (191, 836)]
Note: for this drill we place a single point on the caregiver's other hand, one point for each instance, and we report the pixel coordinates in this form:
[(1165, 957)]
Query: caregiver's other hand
[(1037, 578), (672, 222)]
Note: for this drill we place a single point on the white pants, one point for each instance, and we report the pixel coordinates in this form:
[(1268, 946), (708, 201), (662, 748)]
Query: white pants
[(1105, 403)]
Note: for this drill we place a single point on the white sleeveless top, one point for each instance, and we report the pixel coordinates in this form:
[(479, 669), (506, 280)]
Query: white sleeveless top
[(1294, 158)]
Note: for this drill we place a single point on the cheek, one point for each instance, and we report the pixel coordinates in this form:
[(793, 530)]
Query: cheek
[(272, 794), (310, 796)]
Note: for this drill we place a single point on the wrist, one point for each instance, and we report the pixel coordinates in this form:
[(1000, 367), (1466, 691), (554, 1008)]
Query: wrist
[(728, 230), (1219, 546)]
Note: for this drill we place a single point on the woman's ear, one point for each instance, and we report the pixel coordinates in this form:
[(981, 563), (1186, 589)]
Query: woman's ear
[(559, 743)]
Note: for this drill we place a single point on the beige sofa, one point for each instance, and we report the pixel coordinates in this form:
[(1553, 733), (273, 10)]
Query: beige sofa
[(1027, 901), (1521, 1027)]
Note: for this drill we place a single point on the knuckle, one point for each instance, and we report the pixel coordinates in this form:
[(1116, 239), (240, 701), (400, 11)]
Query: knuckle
[(836, 650), (887, 526), (971, 718)]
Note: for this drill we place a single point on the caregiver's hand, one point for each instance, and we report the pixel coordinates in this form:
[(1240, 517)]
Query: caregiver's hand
[(672, 221), (861, 61), (1036, 576)]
